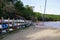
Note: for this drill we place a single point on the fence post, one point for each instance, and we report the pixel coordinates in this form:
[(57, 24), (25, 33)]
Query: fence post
[(1, 23), (13, 22), (8, 22), (2, 20)]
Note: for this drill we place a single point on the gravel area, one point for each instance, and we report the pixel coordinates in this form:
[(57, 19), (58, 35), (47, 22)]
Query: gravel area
[(35, 33)]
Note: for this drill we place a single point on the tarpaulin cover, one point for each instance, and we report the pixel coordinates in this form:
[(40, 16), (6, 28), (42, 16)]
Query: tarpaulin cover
[(4, 31), (10, 25), (15, 24), (0, 26), (19, 23), (10, 20), (5, 25), (18, 20), (5, 20), (10, 29), (15, 21)]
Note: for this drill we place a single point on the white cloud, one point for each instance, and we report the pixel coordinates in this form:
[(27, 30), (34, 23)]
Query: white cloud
[(52, 11)]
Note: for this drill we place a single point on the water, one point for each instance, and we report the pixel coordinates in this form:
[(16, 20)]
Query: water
[(48, 24), (52, 24)]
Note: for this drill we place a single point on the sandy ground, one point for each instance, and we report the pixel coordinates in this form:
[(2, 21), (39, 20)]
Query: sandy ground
[(35, 33)]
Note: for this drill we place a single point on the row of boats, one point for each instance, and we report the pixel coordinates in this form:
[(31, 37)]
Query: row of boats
[(11, 25)]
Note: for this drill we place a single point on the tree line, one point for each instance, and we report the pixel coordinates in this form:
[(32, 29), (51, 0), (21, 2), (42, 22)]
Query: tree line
[(16, 9)]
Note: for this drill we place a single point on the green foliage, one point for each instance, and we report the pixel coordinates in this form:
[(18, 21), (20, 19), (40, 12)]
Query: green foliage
[(19, 5), (25, 11), (28, 11), (0, 12)]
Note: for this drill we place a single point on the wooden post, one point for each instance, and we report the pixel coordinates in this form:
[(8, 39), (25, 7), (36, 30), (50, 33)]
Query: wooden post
[(13, 22), (1, 23), (8, 22), (2, 19), (17, 22)]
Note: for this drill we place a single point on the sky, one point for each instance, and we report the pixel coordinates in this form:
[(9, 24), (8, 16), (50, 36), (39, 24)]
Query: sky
[(53, 6)]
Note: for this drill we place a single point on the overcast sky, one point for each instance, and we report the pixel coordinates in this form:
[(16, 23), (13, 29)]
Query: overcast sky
[(53, 6)]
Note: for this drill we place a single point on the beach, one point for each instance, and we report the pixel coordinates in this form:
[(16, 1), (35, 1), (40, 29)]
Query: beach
[(35, 33)]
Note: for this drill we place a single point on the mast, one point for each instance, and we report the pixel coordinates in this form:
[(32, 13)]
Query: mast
[(44, 10)]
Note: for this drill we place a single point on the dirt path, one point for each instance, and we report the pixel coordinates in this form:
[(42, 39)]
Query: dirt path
[(37, 33)]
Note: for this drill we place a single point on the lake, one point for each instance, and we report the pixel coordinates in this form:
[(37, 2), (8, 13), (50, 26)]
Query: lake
[(52, 24), (49, 24)]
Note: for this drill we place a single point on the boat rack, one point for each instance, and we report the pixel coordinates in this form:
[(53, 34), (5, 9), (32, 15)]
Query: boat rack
[(7, 25)]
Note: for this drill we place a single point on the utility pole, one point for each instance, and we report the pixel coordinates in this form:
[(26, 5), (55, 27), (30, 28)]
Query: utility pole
[(44, 10)]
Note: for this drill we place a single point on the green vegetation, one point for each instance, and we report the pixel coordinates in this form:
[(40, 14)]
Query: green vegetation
[(16, 9)]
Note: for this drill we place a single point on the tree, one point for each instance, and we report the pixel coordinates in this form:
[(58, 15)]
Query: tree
[(19, 5), (28, 11), (23, 11)]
